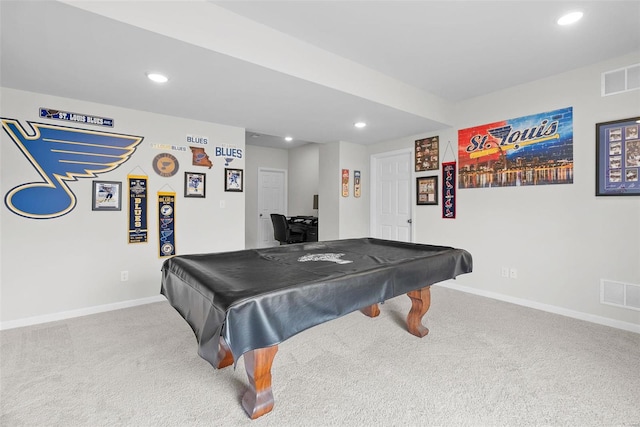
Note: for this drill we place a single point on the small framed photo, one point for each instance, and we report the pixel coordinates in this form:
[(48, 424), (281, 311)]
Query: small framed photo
[(106, 196), (233, 179), (427, 190), (194, 184), (618, 158)]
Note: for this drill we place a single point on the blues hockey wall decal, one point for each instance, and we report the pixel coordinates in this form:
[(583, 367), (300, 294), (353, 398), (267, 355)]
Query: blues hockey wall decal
[(61, 154), (200, 157)]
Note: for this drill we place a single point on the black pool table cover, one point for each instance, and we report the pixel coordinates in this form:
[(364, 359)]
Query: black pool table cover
[(257, 298)]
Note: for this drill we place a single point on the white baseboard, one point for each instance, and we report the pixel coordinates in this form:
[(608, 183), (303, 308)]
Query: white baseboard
[(618, 324), (11, 324)]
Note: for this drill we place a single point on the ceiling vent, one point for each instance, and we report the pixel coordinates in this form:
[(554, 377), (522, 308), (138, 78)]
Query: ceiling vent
[(620, 294), (621, 80)]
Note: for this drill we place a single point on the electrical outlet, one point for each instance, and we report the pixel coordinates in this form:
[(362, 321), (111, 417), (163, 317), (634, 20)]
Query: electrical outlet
[(124, 276), (504, 272), (513, 273)]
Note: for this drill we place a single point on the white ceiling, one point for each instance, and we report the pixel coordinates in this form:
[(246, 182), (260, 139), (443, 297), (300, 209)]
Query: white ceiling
[(308, 69)]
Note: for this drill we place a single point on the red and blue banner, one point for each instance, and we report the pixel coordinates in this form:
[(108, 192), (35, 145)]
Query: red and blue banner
[(531, 150), (449, 190)]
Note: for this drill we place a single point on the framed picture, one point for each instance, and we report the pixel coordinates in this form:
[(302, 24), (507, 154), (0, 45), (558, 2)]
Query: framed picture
[(194, 184), (106, 196), (232, 179), (427, 154), (618, 158), (427, 190)]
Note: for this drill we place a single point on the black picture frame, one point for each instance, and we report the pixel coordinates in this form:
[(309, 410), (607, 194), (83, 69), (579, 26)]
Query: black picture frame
[(427, 190), (195, 184), (106, 195), (233, 179), (427, 154), (618, 157)]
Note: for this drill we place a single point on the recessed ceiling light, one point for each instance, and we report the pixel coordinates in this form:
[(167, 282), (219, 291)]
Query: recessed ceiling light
[(158, 78), (255, 135), (569, 18), (288, 139), (360, 124)]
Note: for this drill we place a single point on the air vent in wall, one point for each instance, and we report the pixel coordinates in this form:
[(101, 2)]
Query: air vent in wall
[(620, 294), (621, 80)]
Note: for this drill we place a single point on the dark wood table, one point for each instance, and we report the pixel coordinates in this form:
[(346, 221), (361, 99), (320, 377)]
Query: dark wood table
[(307, 225), (247, 302)]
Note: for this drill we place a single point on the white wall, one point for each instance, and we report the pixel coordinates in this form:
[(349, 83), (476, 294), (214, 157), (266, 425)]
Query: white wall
[(354, 211), (304, 165), (329, 192), (562, 239), (74, 261), (256, 158)]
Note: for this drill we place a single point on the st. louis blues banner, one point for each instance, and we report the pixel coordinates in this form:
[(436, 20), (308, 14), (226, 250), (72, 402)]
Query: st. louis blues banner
[(166, 223), (530, 150), (137, 209), (449, 190)]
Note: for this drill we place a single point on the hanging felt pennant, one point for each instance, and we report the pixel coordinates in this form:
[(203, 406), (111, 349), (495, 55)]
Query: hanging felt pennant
[(345, 182), (356, 184), (166, 223), (449, 190), (137, 208)]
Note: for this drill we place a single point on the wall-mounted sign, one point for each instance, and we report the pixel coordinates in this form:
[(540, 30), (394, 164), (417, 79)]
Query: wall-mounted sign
[(530, 150), (165, 165), (356, 184), (50, 113), (200, 157)]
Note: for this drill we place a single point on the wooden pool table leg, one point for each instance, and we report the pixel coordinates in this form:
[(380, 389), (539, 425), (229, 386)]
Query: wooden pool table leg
[(420, 303), (225, 356), (258, 400), (371, 311)]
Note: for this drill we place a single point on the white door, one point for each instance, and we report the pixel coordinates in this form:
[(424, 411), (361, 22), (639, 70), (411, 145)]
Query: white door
[(391, 196), (272, 198)]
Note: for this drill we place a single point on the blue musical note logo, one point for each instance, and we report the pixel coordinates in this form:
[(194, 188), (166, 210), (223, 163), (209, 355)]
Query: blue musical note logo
[(61, 154)]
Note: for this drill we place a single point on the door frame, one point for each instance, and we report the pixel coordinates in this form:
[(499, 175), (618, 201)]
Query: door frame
[(259, 205), (375, 158)]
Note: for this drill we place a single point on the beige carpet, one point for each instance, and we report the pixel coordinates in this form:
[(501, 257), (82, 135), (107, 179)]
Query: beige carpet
[(485, 363)]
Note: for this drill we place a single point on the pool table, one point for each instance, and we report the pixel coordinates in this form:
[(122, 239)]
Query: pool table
[(247, 302)]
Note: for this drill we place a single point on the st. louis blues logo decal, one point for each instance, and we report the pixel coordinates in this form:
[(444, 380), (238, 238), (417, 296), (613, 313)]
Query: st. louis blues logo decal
[(62, 154)]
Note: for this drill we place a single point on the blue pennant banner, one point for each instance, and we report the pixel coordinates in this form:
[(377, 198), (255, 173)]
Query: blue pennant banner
[(166, 223)]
